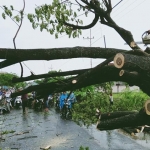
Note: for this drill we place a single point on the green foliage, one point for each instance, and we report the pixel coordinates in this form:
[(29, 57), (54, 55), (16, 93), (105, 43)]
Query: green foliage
[(54, 79), (82, 148), (84, 110), (21, 84), (9, 11), (52, 18), (129, 100), (5, 80), (7, 132)]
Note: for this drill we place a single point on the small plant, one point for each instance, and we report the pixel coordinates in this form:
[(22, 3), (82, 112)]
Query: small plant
[(82, 148), (7, 132)]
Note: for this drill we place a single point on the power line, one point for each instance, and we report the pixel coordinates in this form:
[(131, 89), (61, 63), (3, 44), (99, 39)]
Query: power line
[(132, 9), (28, 68), (125, 8), (117, 4), (97, 40)]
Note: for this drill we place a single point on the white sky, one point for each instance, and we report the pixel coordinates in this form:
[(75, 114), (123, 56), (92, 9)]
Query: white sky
[(132, 15)]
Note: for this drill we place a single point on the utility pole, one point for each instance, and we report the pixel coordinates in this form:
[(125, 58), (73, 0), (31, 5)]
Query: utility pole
[(51, 68), (90, 38), (104, 41)]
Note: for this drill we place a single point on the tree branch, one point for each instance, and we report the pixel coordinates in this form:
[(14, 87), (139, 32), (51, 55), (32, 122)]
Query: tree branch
[(18, 32), (51, 74), (58, 53), (7, 63), (74, 27)]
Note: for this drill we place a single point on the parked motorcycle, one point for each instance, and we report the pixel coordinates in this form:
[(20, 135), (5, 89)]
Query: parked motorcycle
[(18, 102), (38, 105)]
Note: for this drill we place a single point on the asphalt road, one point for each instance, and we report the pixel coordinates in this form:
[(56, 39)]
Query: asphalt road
[(36, 129)]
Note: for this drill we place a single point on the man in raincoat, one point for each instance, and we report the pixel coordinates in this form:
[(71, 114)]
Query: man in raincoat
[(71, 99), (62, 98)]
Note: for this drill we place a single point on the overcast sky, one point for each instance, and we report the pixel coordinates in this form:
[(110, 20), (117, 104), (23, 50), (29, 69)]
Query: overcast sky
[(132, 15)]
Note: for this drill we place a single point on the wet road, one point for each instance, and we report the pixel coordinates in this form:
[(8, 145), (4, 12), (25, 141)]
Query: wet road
[(36, 130)]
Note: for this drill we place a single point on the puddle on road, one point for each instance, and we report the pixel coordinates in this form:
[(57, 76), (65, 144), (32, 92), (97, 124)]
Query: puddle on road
[(118, 138), (143, 139)]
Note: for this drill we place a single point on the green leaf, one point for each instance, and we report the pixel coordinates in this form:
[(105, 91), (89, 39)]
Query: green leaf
[(3, 15), (17, 18), (75, 14), (12, 8), (56, 35)]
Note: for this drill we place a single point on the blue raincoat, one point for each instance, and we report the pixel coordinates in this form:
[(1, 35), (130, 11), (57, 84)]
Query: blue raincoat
[(71, 100), (62, 98)]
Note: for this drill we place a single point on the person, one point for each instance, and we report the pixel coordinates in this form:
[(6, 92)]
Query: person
[(8, 98), (50, 100), (71, 99), (111, 98), (46, 107), (24, 99), (62, 98), (8, 93)]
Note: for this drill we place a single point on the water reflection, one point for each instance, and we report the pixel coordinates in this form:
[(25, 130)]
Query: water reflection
[(109, 138), (143, 139), (115, 139)]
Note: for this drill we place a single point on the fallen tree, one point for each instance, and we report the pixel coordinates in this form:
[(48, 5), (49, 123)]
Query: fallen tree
[(129, 66), (140, 118)]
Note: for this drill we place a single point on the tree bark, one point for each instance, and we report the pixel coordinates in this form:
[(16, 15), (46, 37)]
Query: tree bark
[(58, 53), (131, 120), (117, 114), (131, 131), (132, 62), (105, 74)]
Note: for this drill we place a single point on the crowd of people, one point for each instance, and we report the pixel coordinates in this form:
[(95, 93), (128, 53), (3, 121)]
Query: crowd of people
[(30, 100)]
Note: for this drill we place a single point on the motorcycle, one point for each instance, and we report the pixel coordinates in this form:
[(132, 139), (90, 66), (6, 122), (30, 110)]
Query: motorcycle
[(30, 102), (57, 108), (8, 103), (3, 110), (18, 102), (50, 101), (66, 112), (38, 106)]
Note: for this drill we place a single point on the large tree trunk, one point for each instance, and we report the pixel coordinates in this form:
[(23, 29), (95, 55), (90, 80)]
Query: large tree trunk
[(136, 119), (125, 121), (132, 62), (116, 114)]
